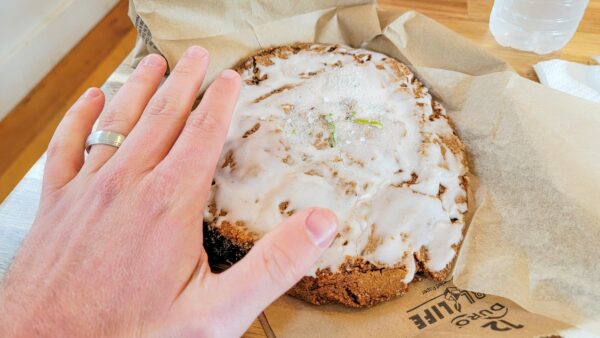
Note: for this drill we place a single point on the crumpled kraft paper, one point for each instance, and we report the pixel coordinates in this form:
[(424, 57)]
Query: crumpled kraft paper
[(534, 236)]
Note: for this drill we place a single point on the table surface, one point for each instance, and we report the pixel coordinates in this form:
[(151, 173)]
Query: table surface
[(470, 18), (467, 17)]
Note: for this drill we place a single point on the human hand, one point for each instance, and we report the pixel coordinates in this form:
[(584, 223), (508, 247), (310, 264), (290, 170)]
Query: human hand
[(116, 247)]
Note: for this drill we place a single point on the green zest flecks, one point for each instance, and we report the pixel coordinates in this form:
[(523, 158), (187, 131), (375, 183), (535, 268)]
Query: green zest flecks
[(372, 123), (331, 126)]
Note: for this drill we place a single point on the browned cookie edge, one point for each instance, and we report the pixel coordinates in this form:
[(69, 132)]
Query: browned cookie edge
[(358, 283)]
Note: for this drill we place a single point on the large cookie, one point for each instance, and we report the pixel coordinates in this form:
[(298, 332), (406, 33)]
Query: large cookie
[(350, 130)]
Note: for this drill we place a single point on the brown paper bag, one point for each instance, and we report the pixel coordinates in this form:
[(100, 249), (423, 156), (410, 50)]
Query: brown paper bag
[(535, 152), (430, 309)]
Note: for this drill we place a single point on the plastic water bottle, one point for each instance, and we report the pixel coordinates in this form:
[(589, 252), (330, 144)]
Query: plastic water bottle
[(540, 26)]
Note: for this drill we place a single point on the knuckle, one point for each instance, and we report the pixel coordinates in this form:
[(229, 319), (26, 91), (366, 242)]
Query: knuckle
[(141, 75), (164, 105), (55, 147), (219, 88), (184, 68), (204, 122), (158, 190), (74, 110), (222, 89), (279, 266), (109, 184), (113, 117)]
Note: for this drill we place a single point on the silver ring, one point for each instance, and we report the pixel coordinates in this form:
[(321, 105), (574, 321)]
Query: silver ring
[(107, 137)]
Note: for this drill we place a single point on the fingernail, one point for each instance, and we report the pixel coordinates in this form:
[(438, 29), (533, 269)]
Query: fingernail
[(196, 51), (321, 225), (91, 93), (153, 60), (229, 74)]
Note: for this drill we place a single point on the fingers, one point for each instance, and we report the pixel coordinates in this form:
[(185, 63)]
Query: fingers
[(124, 110), (277, 262), (198, 148), (65, 151), (166, 112)]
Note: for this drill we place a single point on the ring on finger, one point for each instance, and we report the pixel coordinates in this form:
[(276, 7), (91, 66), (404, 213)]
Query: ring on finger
[(105, 137)]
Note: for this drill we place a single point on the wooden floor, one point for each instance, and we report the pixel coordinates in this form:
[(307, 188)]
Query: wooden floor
[(25, 132)]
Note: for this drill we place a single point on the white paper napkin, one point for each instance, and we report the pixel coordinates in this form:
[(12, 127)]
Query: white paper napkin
[(570, 77)]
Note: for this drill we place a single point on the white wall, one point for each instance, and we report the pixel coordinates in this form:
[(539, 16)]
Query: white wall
[(35, 35)]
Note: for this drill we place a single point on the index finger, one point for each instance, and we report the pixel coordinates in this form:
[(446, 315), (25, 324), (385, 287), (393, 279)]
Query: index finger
[(198, 148)]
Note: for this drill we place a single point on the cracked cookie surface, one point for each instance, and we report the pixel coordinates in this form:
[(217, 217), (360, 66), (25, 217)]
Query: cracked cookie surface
[(350, 130)]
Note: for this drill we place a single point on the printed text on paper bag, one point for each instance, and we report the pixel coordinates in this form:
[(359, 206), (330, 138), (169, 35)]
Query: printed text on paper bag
[(451, 303)]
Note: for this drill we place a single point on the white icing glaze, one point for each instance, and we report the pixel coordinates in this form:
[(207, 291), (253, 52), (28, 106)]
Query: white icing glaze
[(362, 176)]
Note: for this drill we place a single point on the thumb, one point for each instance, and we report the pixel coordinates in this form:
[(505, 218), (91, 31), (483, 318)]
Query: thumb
[(277, 261)]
